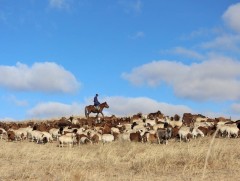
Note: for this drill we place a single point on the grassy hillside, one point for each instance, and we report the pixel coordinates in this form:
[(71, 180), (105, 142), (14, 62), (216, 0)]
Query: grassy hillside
[(121, 161)]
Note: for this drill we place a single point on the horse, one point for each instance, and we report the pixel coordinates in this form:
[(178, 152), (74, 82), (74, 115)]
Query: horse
[(92, 109)]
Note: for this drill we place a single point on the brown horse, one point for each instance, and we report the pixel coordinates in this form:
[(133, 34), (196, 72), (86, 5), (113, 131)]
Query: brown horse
[(92, 109)]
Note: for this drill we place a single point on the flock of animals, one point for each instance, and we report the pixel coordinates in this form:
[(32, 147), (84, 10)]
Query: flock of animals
[(151, 128)]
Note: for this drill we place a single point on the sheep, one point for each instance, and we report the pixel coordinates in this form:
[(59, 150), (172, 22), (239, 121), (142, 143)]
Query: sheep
[(55, 132), (184, 133), (128, 126), (48, 136), (75, 121), (202, 124), (70, 140), (37, 135), (2, 132), (137, 126), (159, 125), (173, 123), (81, 130), (125, 136), (19, 133), (114, 130), (222, 129), (95, 138), (107, 138), (232, 130), (195, 132), (83, 139), (201, 119), (149, 121), (138, 121), (205, 130), (150, 138), (68, 129)]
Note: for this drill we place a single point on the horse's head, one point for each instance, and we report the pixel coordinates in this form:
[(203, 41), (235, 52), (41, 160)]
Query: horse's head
[(105, 105)]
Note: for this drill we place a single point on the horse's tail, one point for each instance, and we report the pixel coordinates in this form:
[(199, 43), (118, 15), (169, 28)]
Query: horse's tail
[(86, 112)]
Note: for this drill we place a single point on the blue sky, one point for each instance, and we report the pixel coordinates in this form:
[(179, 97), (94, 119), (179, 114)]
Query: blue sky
[(139, 56)]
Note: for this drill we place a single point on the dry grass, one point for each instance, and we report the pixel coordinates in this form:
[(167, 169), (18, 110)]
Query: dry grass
[(121, 161)]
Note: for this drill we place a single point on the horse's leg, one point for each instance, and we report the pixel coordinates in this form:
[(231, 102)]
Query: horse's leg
[(87, 112), (102, 114)]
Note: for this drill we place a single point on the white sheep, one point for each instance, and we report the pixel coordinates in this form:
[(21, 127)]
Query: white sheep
[(195, 132), (55, 132), (232, 130), (37, 135), (159, 125), (75, 121), (222, 129), (85, 140), (183, 133), (48, 136), (173, 123), (2, 132), (20, 134), (69, 140), (115, 130), (107, 138), (125, 136), (201, 119), (81, 130), (151, 122)]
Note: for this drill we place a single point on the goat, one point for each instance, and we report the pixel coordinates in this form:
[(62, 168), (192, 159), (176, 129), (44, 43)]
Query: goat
[(164, 135)]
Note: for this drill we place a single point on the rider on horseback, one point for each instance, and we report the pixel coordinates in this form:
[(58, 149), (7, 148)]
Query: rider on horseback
[(96, 102)]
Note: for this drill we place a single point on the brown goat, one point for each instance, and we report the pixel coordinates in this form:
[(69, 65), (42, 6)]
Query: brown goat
[(136, 137), (95, 138), (11, 136)]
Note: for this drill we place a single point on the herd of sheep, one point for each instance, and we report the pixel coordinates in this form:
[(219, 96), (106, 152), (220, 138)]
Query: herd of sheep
[(151, 128)]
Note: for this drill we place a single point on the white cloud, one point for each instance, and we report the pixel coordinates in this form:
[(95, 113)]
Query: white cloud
[(119, 106), (232, 17), (127, 106), (54, 109), (41, 77), (58, 4), (7, 119), (224, 42), (214, 79), (16, 101), (202, 32), (186, 52), (236, 108), (155, 72)]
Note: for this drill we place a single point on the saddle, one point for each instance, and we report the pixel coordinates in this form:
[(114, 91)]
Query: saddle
[(97, 108)]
